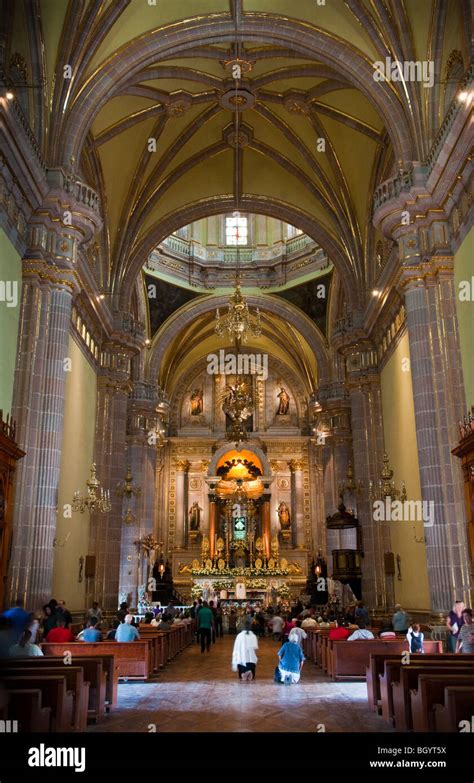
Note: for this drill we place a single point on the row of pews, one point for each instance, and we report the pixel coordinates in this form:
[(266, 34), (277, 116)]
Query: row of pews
[(429, 692), (77, 682)]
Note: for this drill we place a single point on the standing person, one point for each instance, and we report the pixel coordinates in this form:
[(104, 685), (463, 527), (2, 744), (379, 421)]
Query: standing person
[(171, 609), (95, 611), (63, 611), (18, 619), (300, 633), (244, 655), (49, 620), (233, 622), (126, 632), (465, 640), (361, 614), (291, 660), (400, 620), (122, 611), (454, 623), (277, 627), (218, 620), (205, 621), (214, 614), (415, 638)]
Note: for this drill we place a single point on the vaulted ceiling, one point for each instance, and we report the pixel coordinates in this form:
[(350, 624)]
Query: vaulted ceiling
[(142, 71)]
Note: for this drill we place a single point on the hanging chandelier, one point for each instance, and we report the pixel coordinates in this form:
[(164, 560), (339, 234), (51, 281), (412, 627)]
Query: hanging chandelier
[(97, 499), (386, 485), (127, 488), (237, 323)]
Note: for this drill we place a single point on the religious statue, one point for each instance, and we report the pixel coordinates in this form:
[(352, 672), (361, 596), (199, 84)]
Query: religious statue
[(196, 402), (194, 515), (284, 404), (284, 516)]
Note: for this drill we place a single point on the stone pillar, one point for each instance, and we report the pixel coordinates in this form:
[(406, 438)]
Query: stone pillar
[(439, 401), (182, 468), (142, 441), (49, 282), (212, 523), (266, 524), (367, 437), (296, 468)]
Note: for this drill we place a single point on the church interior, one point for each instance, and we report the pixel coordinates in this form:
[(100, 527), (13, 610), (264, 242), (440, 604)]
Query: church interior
[(236, 360)]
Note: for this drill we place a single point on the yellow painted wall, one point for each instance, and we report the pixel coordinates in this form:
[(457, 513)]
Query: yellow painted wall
[(76, 459), (464, 270), (10, 272), (400, 443)]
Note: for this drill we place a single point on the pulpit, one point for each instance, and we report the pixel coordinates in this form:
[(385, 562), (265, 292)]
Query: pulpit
[(10, 453), (465, 452)]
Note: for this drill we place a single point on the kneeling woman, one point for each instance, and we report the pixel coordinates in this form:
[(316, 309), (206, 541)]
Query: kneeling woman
[(244, 658), (291, 660)]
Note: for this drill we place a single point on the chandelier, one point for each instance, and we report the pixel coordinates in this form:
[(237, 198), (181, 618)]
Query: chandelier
[(97, 499), (127, 488), (351, 485), (237, 323), (386, 485)]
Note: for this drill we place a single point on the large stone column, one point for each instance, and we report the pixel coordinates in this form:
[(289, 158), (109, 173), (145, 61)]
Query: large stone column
[(266, 524), (367, 438), (142, 444), (49, 283), (439, 401), (296, 468), (113, 389)]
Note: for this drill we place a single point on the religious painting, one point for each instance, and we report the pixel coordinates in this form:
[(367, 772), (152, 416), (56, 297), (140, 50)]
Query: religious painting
[(196, 402), (284, 402)]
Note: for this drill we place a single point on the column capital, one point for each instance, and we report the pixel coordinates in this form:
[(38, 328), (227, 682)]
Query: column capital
[(182, 465), (295, 465), (412, 276)]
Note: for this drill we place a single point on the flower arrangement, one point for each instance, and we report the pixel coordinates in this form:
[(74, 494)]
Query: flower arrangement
[(240, 572), (283, 591)]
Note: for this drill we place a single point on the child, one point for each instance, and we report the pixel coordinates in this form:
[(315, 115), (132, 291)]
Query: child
[(415, 639)]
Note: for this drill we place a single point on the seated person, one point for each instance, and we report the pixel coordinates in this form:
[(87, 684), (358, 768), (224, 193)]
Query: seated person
[(361, 633), (165, 623), (111, 633), (91, 633), (309, 622), (341, 632), (149, 616), (24, 646), (60, 633), (386, 631), (126, 632)]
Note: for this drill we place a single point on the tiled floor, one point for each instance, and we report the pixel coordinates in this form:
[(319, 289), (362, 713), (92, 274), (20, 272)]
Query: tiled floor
[(200, 692)]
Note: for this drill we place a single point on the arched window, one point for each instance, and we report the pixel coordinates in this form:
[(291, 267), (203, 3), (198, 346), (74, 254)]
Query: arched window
[(236, 230)]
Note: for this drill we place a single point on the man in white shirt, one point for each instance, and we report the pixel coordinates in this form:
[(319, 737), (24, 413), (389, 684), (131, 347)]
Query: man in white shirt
[(300, 633), (277, 627), (361, 633)]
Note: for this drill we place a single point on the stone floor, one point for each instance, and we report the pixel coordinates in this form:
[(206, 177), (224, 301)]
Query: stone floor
[(200, 693)]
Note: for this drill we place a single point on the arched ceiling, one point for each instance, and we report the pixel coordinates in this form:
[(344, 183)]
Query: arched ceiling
[(143, 71), (189, 336)]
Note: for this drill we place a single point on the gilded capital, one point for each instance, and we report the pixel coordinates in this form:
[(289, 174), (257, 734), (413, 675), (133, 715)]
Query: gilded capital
[(182, 465), (295, 465)]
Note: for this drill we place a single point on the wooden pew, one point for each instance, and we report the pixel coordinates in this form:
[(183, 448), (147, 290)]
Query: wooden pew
[(25, 707), (409, 680), (430, 690), (54, 694), (391, 674), (94, 673), (458, 705), (351, 659), (375, 669), (76, 684), (132, 659)]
